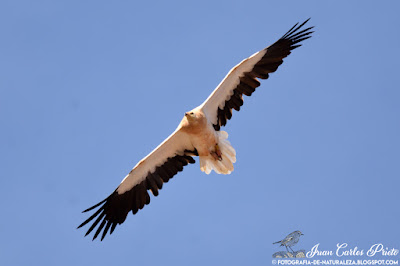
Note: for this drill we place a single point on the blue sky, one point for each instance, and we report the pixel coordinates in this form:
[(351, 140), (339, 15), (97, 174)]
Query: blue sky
[(89, 88)]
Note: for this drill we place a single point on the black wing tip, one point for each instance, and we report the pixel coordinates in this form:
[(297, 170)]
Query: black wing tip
[(98, 216), (99, 229), (96, 205), (105, 219), (295, 30)]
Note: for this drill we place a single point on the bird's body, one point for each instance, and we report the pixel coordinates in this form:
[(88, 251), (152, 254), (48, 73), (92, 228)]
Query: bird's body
[(290, 240), (198, 134), (214, 151), (203, 135)]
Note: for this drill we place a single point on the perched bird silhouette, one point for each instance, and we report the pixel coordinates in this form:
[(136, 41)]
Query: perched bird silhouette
[(290, 240)]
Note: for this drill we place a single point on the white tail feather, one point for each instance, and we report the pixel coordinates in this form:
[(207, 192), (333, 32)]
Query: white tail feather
[(225, 166)]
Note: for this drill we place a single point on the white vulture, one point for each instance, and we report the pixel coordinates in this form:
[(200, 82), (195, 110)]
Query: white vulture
[(198, 134)]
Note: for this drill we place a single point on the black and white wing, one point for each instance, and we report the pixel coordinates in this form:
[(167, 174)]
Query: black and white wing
[(242, 79), (157, 168)]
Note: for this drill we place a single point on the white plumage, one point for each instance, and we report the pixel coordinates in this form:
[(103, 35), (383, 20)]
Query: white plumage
[(228, 154), (198, 134), (174, 145)]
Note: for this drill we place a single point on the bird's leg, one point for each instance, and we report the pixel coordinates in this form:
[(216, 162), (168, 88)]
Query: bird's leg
[(217, 153), (291, 249), (286, 248)]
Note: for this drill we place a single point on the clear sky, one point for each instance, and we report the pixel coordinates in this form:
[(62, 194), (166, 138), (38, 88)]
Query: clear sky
[(88, 88)]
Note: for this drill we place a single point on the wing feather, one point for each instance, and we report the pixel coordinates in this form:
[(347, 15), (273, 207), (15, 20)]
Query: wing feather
[(157, 168), (243, 78)]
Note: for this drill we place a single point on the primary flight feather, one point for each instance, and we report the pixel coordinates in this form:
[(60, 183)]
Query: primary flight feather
[(198, 134)]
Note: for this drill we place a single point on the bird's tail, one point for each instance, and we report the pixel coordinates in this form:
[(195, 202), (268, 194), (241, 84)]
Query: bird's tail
[(228, 154), (277, 242)]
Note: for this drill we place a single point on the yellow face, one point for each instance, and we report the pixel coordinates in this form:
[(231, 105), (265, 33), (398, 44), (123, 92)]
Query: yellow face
[(190, 116), (193, 122)]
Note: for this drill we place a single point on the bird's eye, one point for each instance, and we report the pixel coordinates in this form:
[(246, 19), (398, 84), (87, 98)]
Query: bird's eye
[(191, 113)]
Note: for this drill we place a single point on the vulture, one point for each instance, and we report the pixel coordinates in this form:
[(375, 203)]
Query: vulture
[(199, 135)]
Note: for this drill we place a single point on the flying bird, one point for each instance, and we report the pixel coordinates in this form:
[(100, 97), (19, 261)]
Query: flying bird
[(290, 240), (198, 134)]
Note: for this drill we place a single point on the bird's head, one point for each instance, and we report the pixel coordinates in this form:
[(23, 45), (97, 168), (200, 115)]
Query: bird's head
[(299, 233), (193, 120), (190, 116)]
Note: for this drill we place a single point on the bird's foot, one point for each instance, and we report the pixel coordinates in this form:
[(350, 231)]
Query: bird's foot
[(216, 154)]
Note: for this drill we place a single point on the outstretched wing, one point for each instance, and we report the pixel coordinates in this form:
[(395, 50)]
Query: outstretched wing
[(157, 168), (242, 79)]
